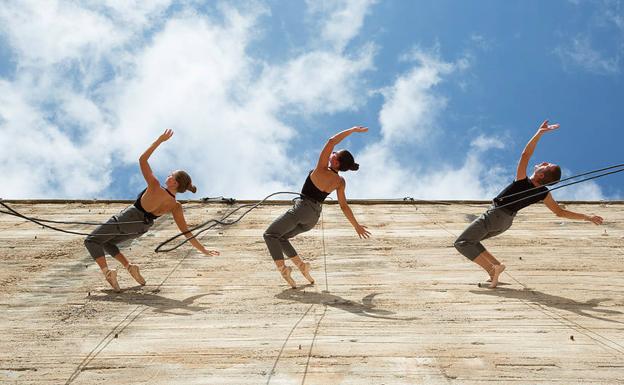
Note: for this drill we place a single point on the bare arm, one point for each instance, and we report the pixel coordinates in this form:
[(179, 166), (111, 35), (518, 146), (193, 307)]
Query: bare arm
[(550, 202), (146, 170), (530, 148), (332, 142), (178, 217), (342, 199)]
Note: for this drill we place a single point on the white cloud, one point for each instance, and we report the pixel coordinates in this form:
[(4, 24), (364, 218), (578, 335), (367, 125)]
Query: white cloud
[(581, 50), (38, 160), (93, 104), (341, 20), (586, 191), (309, 82), (410, 110), (483, 143), (408, 122), (581, 53)]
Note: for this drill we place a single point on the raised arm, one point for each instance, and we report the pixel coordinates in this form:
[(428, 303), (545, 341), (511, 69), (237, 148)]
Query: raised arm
[(550, 202), (332, 142), (146, 170), (344, 206), (178, 217), (521, 172)]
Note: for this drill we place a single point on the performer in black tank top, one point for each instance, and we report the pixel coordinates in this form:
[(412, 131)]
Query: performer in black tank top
[(306, 210), (310, 191), (148, 215), (522, 192), (135, 220)]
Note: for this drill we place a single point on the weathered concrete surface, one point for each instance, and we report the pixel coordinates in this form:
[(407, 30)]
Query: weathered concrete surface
[(401, 308)]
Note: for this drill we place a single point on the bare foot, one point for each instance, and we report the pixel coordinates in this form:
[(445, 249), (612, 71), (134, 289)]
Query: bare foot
[(305, 270), (285, 272), (111, 277), (498, 269), (490, 280)]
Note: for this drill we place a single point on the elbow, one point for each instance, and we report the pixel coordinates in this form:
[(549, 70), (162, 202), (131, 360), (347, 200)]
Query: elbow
[(344, 206)]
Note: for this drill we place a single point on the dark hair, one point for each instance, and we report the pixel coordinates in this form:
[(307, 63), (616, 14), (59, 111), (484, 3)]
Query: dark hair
[(551, 176), (184, 181), (346, 161)]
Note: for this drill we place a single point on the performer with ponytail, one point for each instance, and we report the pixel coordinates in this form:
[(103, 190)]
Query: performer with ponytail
[(135, 220), (306, 211)]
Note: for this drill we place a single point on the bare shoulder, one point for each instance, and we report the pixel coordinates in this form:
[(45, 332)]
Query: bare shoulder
[(176, 208)]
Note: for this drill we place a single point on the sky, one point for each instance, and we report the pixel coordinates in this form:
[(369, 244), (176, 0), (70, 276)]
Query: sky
[(451, 92)]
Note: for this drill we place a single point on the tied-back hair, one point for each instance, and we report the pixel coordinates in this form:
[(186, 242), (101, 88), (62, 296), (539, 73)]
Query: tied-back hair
[(551, 176), (346, 161), (184, 181)]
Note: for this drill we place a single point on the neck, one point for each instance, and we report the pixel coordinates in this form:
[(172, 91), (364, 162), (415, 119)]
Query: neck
[(534, 181), (336, 171)]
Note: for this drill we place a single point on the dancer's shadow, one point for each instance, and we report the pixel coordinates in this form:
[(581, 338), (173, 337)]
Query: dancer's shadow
[(555, 301), (365, 309), (161, 304)]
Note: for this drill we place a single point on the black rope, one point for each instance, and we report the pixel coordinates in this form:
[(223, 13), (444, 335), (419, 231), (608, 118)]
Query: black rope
[(219, 199), (41, 222), (566, 179), (558, 187), (209, 224)]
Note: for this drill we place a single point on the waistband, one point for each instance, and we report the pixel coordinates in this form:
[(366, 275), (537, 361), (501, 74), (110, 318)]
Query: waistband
[(503, 209), (148, 217), (309, 199)]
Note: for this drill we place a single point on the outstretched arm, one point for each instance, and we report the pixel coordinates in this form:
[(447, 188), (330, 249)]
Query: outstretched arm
[(550, 202), (178, 217), (146, 170), (530, 148), (332, 142), (342, 199)]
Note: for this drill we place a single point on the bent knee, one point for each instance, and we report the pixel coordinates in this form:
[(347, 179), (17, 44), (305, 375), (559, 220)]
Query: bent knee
[(459, 244)]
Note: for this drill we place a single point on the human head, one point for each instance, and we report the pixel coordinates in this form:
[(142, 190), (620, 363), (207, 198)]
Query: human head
[(343, 161), (546, 173), (181, 181)]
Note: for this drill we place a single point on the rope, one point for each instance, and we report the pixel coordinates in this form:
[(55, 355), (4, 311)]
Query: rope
[(209, 224), (279, 355), (553, 189), (41, 222), (568, 178), (324, 251), (214, 222)]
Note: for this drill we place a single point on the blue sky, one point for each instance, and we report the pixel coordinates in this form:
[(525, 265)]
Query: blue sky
[(451, 92)]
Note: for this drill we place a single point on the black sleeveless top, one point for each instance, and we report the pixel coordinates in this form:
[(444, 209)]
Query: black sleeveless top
[(309, 190), (517, 196), (137, 204)]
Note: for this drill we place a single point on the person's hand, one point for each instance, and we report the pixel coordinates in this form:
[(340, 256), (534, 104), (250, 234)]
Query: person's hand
[(359, 129), (545, 127), (210, 253), (596, 219), (165, 136), (362, 232)]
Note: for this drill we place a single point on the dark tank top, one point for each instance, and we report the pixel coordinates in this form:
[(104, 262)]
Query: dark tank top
[(517, 196), (309, 190), (137, 204)]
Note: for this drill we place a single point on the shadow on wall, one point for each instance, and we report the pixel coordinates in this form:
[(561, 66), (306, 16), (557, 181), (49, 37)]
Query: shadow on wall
[(366, 308), (554, 301), (159, 303)]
